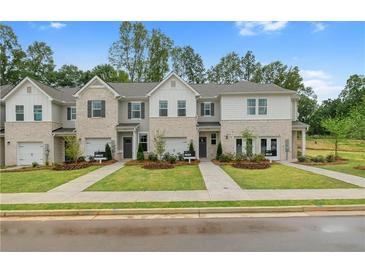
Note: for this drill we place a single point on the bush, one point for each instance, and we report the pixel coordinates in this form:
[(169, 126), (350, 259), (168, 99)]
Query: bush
[(228, 157), (169, 158), (191, 147), (180, 156), (257, 158), (35, 164), (219, 151), (152, 157), (318, 159), (331, 158), (158, 165), (241, 157), (140, 154), (108, 152), (81, 159), (302, 159)]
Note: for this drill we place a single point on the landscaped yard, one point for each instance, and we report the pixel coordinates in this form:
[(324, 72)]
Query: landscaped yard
[(282, 177), (136, 178), (38, 180)]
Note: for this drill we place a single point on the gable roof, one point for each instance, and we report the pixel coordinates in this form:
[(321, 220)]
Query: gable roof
[(96, 78)]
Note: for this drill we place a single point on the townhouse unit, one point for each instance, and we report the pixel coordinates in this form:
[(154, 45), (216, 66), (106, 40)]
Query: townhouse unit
[(35, 118)]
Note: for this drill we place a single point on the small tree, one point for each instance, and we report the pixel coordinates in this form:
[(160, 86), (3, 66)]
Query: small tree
[(338, 128), (191, 147), (248, 135), (140, 154), (159, 143), (108, 152), (219, 150), (72, 149)]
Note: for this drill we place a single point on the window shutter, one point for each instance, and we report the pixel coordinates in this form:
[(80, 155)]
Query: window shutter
[(102, 108), (142, 110), (89, 108), (68, 113), (129, 110), (202, 109), (212, 109)]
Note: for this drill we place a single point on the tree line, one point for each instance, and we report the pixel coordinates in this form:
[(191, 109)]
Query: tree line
[(141, 55)]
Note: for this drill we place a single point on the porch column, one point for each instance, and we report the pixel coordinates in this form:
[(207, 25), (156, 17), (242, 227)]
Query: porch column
[(134, 145), (303, 142)]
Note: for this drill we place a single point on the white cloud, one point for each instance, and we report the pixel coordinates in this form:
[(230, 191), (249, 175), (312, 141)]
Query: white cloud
[(57, 25), (260, 27), (322, 84), (318, 26)]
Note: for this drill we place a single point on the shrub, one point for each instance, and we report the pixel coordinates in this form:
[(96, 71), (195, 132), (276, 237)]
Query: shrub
[(180, 156), (108, 152), (35, 164), (81, 159), (191, 147), (302, 159), (228, 157), (169, 158), (158, 165), (252, 165), (219, 151), (72, 148), (318, 159), (160, 143), (241, 157), (140, 154), (172, 159), (152, 157), (331, 158), (257, 158)]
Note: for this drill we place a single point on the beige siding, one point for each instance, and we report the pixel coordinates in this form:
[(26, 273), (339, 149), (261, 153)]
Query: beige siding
[(217, 111), (66, 123), (123, 114)]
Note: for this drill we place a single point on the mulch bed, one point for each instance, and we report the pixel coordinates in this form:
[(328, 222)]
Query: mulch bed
[(144, 162), (252, 165), (360, 167), (28, 168), (158, 165), (338, 162), (72, 166)]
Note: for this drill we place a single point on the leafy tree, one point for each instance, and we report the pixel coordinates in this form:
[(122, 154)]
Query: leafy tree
[(219, 151), (352, 94), (128, 53), (72, 149), (109, 74), (140, 154), (188, 65), (11, 56), (356, 121), (159, 143), (191, 147), (307, 104), (69, 76), (249, 136), (40, 62), (108, 152), (249, 66), (227, 71), (338, 128), (159, 48)]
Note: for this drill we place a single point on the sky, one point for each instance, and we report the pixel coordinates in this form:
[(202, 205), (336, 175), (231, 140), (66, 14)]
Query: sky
[(327, 53)]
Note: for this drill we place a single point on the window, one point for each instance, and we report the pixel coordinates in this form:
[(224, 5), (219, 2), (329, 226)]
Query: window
[(207, 109), (251, 106), (19, 113), (262, 106), (181, 108), (37, 110), (29, 89), (143, 140), (163, 108), (96, 108), (136, 110), (213, 138), (173, 83), (71, 113)]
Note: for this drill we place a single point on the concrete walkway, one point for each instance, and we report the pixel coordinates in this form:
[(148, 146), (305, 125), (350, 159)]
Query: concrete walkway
[(351, 179), (81, 183)]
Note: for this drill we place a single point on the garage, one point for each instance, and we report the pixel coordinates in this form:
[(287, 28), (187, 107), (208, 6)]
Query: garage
[(28, 153), (96, 145), (176, 145)]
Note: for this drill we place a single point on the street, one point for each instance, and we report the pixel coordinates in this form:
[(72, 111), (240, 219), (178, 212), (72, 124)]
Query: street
[(329, 233)]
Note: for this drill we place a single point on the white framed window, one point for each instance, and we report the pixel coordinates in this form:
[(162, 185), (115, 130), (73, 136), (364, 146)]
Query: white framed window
[(71, 113), (136, 110), (262, 107), (213, 138), (19, 113), (207, 109), (251, 106), (37, 111), (96, 107), (163, 108), (143, 139), (181, 108)]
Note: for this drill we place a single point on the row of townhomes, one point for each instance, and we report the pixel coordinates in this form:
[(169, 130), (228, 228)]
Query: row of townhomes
[(35, 118)]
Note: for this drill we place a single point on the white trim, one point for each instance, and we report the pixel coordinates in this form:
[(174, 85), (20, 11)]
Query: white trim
[(148, 139), (77, 94), (210, 109), (140, 110), (21, 83), (167, 78)]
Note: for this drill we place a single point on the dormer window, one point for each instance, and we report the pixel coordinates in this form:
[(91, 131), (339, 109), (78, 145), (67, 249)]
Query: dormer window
[(29, 89)]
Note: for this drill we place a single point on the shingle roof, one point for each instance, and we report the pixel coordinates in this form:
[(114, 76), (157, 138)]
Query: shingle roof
[(5, 90)]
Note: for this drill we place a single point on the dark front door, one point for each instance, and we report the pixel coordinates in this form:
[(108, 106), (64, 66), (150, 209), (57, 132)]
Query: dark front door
[(202, 147), (127, 147)]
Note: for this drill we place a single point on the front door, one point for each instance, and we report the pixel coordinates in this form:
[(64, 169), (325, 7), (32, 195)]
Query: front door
[(127, 147), (202, 147)]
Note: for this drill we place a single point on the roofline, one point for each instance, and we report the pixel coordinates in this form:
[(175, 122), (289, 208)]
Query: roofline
[(116, 94), (168, 77), (27, 78)]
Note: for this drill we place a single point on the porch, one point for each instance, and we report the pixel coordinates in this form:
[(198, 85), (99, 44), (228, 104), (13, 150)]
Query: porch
[(209, 138), (299, 129), (127, 141)]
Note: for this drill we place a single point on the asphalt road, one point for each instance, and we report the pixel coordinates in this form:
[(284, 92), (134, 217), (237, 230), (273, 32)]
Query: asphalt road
[(345, 233)]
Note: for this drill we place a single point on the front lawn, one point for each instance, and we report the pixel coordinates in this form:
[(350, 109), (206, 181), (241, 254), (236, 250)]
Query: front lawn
[(38, 180), (282, 177), (136, 178)]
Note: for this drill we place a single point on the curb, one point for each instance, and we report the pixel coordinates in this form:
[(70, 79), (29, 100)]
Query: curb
[(172, 211)]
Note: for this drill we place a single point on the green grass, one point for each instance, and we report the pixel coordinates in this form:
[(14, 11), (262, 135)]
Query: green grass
[(282, 177), (328, 144), (39, 180), (136, 178), (184, 204)]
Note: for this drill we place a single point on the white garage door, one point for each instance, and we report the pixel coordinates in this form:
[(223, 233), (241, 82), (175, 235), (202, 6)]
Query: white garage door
[(95, 145), (29, 153), (176, 145)]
